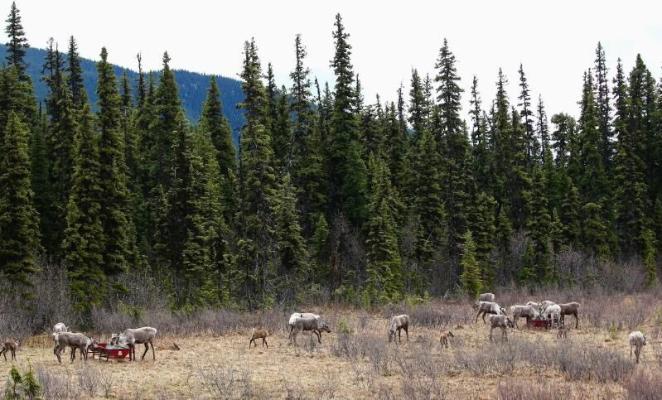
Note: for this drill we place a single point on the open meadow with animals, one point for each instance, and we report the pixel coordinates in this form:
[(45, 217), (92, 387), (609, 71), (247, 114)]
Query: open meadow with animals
[(448, 355)]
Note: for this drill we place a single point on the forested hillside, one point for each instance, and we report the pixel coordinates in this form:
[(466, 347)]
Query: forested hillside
[(192, 86), (330, 196)]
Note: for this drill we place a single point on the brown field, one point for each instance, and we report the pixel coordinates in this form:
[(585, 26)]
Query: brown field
[(356, 362)]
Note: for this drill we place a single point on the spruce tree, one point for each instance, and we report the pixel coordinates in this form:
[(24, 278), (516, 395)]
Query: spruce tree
[(257, 236), (526, 113), (384, 277), (214, 124), (84, 241), (594, 235), (454, 145), (604, 109), (59, 142), (539, 225), (470, 277), (76, 83), (482, 226), (293, 264), (115, 199), (542, 130), (428, 203), (348, 175), (590, 176), (17, 44), (569, 215), (629, 172), (419, 109), (19, 221), (194, 221), (562, 136), (480, 141)]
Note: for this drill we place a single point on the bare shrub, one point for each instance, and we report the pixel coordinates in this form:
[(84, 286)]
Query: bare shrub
[(56, 386), (294, 392), (430, 316), (227, 382), (420, 372), (644, 385), (515, 389), (601, 365), (106, 384), (88, 379)]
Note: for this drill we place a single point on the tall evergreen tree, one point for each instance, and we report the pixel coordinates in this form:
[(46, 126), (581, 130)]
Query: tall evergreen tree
[(539, 225), (526, 113), (454, 145), (384, 275), (19, 222), (419, 108), (562, 136), (470, 277), (428, 204), (604, 108), (214, 124), (631, 189), (348, 175), (115, 219), (257, 189), (76, 83), (17, 44), (293, 262), (590, 175), (84, 241)]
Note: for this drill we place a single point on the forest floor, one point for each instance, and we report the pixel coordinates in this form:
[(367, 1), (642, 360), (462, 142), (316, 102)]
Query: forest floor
[(357, 362)]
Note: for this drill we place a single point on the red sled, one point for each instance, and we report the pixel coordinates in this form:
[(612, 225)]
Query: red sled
[(539, 324), (103, 350)]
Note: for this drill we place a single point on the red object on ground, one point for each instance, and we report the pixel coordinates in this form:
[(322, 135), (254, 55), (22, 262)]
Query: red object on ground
[(539, 324), (104, 351)]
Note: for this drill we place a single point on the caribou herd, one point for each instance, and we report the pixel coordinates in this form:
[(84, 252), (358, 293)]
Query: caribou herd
[(549, 312)]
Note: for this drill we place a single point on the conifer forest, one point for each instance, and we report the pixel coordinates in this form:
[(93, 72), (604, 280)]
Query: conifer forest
[(327, 196)]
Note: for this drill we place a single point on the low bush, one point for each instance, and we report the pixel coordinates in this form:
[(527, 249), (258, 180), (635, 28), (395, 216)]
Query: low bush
[(644, 385), (227, 383)]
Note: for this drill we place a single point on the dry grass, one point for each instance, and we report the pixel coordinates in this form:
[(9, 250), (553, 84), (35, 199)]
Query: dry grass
[(358, 363)]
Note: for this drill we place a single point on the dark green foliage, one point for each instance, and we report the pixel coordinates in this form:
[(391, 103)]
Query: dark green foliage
[(112, 170), (448, 92), (257, 177), (539, 227), (595, 239), (526, 113), (214, 124), (590, 173), (19, 221), (293, 263), (482, 226), (384, 277), (604, 109), (84, 239), (631, 189), (419, 107), (428, 199), (562, 136), (332, 194), (17, 44), (347, 170), (75, 71), (470, 276)]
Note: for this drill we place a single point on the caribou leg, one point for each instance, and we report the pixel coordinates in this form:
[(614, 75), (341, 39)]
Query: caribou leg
[(146, 350), (57, 353)]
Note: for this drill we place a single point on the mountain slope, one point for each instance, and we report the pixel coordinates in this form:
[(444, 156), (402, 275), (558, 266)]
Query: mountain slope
[(192, 86)]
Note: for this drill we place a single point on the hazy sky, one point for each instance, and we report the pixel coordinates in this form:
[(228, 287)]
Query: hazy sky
[(555, 40)]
